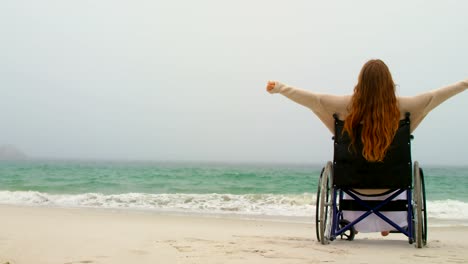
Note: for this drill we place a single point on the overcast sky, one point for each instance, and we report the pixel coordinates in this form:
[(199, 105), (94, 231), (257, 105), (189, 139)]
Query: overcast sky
[(185, 80)]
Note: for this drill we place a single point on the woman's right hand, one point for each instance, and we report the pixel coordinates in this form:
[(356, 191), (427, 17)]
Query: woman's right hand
[(270, 86)]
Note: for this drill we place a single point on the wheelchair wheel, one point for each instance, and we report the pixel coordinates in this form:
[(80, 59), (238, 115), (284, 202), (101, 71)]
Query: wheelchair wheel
[(323, 207), (350, 233), (424, 222), (419, 207), (317, 207)]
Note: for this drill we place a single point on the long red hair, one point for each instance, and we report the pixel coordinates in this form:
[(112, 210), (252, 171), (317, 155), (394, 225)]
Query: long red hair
[(375, 107)]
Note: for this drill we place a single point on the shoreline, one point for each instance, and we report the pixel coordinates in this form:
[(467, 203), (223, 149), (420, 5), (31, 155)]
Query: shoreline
[(432, 222), (175, 213), (88, 235)]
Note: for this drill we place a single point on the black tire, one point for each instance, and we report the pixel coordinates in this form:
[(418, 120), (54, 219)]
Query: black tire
[(424, 215), (418, 205), (348, 234)]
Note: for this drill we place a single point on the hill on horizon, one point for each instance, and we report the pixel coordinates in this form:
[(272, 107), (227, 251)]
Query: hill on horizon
[(10, 152)]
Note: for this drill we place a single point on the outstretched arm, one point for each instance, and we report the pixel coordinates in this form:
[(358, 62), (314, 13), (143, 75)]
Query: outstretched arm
[(306, 98), (420, 105), (323, 105), (440, 95)]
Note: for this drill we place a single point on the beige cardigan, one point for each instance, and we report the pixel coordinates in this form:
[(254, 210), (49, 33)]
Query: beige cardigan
[(325, 105)]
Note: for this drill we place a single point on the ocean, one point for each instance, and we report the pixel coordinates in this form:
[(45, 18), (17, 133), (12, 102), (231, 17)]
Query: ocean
[(278, 191)]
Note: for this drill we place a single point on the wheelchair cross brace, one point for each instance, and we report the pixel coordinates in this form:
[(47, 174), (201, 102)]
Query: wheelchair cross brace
[(371, 210)]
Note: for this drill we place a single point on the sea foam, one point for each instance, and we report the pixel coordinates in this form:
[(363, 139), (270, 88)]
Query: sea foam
[(247, 204)]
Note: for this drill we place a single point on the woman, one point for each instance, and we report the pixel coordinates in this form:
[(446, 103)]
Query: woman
[(375, 106)]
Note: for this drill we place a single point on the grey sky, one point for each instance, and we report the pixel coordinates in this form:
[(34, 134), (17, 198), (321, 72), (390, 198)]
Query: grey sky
[(184, 80)]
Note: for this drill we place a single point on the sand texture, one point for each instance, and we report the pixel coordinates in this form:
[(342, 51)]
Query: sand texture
[(36, 235)]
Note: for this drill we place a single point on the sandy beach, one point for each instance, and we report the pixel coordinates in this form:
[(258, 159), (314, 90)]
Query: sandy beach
[(71, 236)]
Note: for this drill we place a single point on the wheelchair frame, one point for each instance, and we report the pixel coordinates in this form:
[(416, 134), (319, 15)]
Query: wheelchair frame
[(331, 188)]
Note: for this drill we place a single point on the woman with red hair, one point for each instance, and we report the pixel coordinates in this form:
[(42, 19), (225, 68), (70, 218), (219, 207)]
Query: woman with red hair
[(375, 106)]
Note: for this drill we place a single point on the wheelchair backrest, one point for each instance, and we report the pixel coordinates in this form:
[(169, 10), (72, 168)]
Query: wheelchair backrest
[(352, 170)]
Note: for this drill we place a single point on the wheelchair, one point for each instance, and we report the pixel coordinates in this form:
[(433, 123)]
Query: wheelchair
[(401, 182)]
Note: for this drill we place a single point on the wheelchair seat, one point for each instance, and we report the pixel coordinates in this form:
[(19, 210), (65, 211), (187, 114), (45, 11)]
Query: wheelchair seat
[(342, 181)]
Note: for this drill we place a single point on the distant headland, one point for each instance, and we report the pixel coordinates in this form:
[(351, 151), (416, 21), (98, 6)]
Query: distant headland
[(10, 152)]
